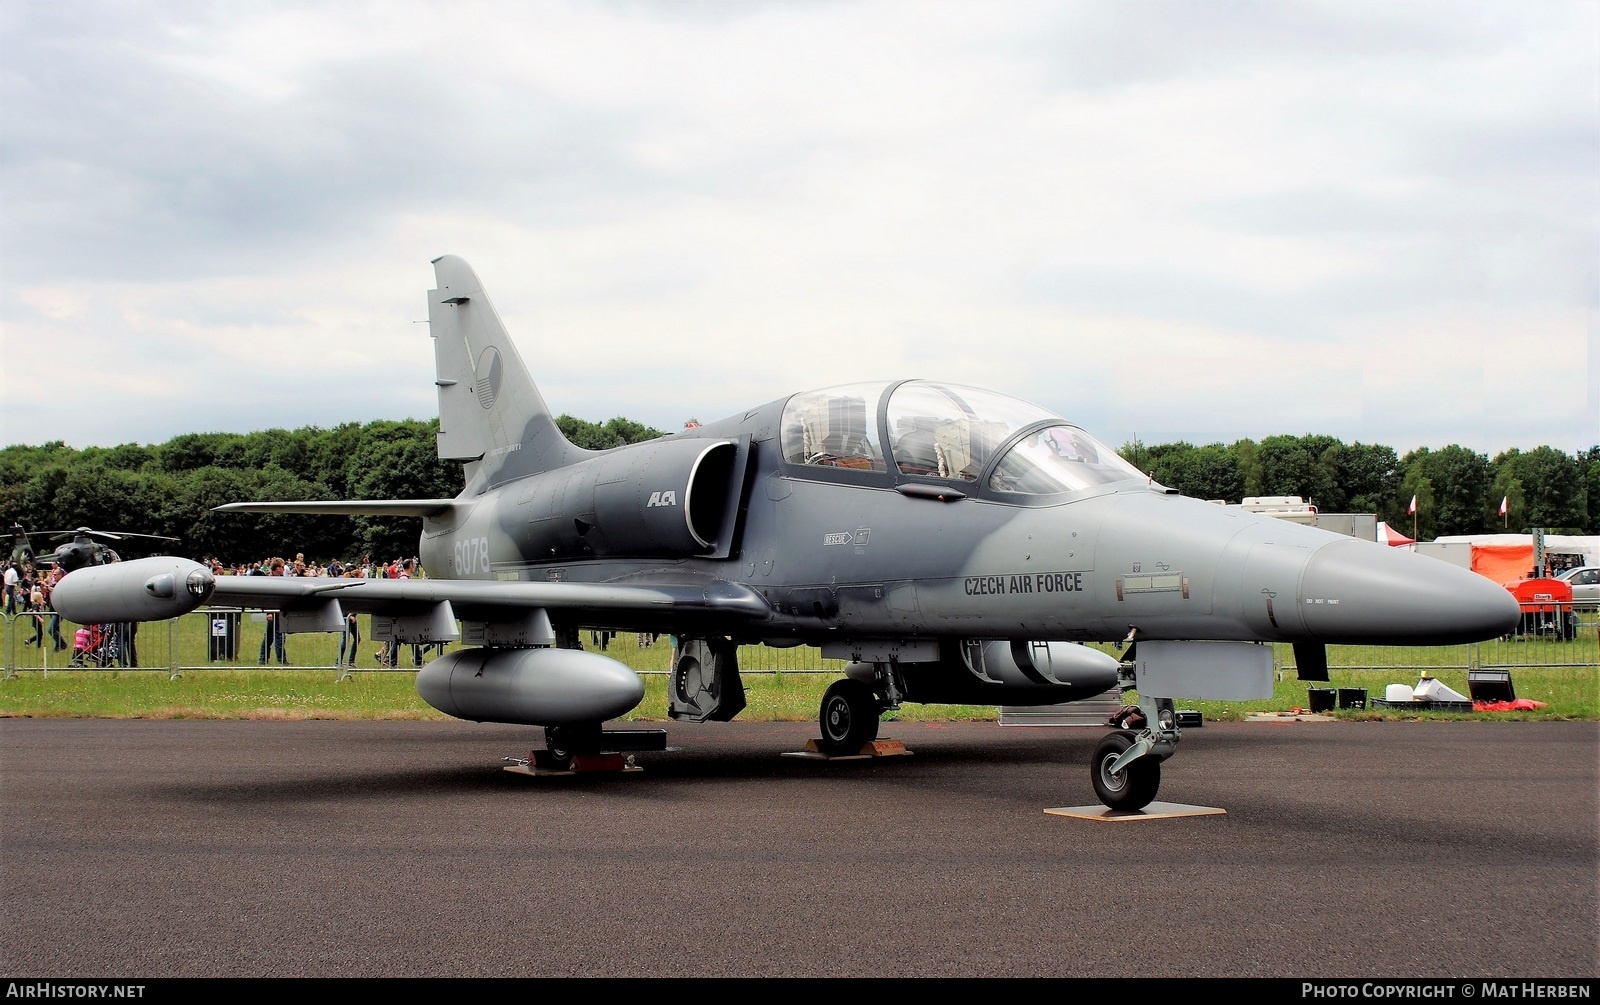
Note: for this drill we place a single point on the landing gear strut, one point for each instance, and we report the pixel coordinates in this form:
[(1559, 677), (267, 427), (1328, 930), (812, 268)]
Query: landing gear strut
[(1126, 768), (1129, 788), (587, 746)]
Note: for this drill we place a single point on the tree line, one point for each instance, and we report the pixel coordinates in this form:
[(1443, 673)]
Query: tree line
[(171, 488), (1458, 490)]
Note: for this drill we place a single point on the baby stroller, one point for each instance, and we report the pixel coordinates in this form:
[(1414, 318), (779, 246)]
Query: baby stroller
[(94, 646)]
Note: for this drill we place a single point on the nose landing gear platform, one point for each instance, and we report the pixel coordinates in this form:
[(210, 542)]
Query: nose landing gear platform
[(1155, 811)]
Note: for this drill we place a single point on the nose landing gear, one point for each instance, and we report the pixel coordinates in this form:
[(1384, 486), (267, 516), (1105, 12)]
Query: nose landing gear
[(1126, 767), (1133, 785)]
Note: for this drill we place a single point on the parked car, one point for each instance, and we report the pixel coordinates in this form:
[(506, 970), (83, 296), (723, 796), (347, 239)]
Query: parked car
[(1585, 583)]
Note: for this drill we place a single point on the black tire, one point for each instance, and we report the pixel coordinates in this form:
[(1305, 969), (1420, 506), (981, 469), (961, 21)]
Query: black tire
[(848, 717), (1132, 788), (563, 743)]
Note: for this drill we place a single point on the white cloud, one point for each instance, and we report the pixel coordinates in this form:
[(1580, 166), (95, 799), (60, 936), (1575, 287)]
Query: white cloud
[(1168, 220)]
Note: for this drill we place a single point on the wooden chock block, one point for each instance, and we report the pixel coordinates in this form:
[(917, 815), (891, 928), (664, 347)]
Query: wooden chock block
[(876, 748), (599, 762)]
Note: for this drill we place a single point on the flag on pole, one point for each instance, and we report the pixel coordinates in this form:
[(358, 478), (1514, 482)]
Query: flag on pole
[(1413, 507), (1503, 501)]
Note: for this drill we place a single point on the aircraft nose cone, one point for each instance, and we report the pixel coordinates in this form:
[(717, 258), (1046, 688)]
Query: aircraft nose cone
[(1364, 594)]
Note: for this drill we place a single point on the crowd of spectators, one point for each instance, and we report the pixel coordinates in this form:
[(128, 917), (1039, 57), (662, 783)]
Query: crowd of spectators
[(27, 596), (272, 640), (366, 568), (27, 593)]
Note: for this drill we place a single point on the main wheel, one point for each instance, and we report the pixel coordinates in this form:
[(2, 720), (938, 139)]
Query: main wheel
[(563, 743), (849, 717), (1134, 786)]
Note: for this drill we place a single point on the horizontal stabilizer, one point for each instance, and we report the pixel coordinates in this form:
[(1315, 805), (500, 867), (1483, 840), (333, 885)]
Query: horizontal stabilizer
[(345, 507)]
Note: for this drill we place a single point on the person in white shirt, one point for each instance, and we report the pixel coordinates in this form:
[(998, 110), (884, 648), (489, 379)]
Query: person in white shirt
[(12, 578)]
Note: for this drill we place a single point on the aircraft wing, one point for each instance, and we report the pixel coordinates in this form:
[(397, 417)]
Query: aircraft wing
[(165, 587), (473, 598), (342, 507)]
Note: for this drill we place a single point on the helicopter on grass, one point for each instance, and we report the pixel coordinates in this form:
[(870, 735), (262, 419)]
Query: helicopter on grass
[(81, 547)]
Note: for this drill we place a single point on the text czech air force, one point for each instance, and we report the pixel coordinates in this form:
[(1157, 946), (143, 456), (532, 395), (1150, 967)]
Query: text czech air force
[(1023, 582)]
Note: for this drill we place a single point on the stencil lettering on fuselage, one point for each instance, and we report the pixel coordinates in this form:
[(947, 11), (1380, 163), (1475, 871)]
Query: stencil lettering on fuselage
[(1023, 582), (472, 556)]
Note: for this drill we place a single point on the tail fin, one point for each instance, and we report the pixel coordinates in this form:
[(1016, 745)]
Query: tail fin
[(491, 416)]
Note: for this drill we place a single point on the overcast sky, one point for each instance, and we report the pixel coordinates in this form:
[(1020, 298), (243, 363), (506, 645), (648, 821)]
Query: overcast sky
[(1200, 221)]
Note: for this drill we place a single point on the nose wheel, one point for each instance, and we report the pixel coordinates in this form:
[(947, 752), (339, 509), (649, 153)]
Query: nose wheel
[(1132, 786)]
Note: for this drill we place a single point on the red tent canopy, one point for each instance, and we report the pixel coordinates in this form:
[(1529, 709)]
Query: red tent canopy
[(1388, 535), (1503, 563)]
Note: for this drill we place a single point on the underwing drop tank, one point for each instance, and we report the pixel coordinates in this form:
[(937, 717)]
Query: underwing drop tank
[(530, 687)]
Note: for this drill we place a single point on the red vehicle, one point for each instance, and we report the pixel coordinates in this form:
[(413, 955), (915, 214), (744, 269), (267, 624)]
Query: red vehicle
[(1546, 607)]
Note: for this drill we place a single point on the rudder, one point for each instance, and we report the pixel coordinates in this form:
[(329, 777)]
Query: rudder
[(490, 412)]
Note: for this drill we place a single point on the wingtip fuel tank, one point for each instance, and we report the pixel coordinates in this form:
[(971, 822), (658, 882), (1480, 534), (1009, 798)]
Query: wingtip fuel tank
[(146, 589)]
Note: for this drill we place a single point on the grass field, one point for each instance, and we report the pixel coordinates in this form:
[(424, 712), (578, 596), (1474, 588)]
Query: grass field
[(181, 679), (790, 694)]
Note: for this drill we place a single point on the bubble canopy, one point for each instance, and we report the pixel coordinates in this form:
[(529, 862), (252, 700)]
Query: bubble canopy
[(948, 432)]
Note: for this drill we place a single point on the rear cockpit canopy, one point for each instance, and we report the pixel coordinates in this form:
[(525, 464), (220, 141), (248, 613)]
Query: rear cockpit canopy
[(948, 432)]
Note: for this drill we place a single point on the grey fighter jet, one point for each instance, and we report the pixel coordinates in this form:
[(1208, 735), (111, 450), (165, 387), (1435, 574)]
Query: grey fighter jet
[(951, 544)]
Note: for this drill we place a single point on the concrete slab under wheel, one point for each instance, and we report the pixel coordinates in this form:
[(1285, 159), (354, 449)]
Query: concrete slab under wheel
[(1155, 811), (613, 764), (877, 748)]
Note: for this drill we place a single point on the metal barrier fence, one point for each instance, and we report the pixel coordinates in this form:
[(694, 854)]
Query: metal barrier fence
[(234, 639), (237, 639)]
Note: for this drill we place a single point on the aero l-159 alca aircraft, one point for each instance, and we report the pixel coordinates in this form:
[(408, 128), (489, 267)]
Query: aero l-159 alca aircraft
[(952, 544)]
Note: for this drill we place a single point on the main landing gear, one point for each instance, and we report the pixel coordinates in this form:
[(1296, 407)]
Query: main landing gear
[(1126, 768), (563, 744), (849, 717), (586, 746), (851, 710)]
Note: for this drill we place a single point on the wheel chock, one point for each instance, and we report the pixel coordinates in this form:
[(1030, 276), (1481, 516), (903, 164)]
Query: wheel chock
[(537, 765), (875, 748)]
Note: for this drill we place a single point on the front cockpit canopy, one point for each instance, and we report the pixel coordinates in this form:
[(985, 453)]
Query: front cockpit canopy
[(947, 431)]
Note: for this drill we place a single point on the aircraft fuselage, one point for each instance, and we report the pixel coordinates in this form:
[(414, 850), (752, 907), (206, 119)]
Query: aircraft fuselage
[(841, 553)]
